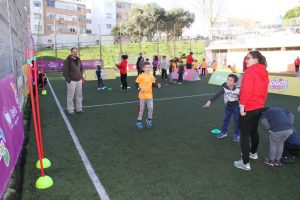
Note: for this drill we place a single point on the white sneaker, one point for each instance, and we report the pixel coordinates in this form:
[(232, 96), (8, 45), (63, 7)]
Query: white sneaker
[(98, 88), (253, 156), (239, 164)]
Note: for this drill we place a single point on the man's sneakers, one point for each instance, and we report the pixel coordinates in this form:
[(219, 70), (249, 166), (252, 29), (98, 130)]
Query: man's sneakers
[(239, 164), (221, 135), (149, 123), (139, 124)]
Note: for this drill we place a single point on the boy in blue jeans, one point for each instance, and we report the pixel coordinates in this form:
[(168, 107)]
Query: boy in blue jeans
[(231, 99)]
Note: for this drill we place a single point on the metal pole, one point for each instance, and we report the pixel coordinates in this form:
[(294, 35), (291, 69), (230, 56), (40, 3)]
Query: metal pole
[(78, 45), (55, 48), (100, 43), (55, 45), (121, 48), (140, 47), (157, 38)]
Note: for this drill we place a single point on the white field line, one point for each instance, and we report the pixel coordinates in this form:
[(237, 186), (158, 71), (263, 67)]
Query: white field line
[(130, 102), (87, 164)]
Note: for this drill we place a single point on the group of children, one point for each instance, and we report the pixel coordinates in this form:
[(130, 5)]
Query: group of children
[(277, 121)]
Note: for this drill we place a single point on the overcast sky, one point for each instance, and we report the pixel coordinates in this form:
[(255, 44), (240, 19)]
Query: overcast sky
[(265, 10)]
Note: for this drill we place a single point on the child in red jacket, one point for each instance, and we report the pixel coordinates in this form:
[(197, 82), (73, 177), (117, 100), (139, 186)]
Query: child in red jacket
[(123, 72)]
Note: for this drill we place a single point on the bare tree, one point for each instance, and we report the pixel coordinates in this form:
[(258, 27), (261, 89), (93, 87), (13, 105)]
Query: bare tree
[(211, 10)]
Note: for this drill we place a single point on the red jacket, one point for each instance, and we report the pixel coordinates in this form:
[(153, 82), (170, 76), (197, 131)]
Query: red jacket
[(297, 61), (189, 59), (254, 87), (122, 66)]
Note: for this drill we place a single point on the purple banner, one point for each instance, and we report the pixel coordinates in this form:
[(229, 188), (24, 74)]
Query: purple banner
[(57, 65), (11, 130)]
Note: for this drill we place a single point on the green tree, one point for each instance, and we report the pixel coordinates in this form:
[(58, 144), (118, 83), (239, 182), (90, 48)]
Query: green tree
[(176, 20), (292, 13), (151, 19)]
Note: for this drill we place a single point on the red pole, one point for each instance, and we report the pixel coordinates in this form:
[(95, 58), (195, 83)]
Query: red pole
[(33, 112), (38, 104)]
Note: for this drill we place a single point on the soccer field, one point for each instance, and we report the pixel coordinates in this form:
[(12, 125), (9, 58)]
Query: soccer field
[(176, 159)]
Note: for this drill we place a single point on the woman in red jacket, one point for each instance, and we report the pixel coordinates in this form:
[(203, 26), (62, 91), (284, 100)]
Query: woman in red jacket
[(253, 94), (123, 72)]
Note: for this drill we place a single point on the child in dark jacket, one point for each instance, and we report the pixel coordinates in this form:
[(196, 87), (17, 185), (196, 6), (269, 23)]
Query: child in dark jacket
[(279, 123), (180, 72), (231, 99), (99, 78)]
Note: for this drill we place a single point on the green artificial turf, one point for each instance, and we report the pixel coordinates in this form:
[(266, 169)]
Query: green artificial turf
[(177, 159)]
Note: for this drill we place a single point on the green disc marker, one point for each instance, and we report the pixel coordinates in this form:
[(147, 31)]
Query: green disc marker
[(44, 92), (216, 131), (46, 163), (44, 182)]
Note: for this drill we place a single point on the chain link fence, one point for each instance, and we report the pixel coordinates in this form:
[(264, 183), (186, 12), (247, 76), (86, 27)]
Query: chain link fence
[(93, 47)]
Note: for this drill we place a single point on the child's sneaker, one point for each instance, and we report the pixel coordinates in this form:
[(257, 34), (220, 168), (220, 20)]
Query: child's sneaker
[(239, 164), (221, 135), (253, 156), (149, 123), (269, 162), (139, 125), (277, 163), (236, 138)]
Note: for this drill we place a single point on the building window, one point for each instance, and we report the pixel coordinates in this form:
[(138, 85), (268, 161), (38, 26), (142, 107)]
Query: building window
[(88, 11), (88, 31), (50, 3), (37, 28), (65, 6), (88, 21), (108, 26), (119, 16), (50, 27), (81, 18), (37, 16), (72, 30), (108, 15), (81, 7), (50, 16), (37, 4)]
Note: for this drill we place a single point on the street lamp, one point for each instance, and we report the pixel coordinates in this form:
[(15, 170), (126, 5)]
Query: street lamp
[(157, 37), (100, 43), (140, 36), (175, 38), (121, 48)]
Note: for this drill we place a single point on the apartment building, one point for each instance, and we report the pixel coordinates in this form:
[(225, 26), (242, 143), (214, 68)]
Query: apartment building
[(72, 17), (103, 16), (123, 9)]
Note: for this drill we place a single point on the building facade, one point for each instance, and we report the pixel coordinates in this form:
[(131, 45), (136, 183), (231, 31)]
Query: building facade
[(62, 23), (103, 16), (123, 9)]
